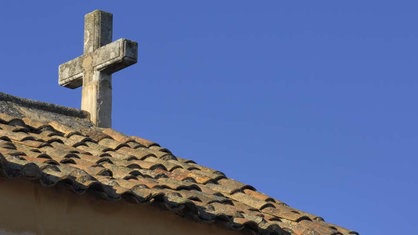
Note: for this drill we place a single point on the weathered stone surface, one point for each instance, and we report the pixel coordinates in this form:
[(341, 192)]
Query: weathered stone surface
[(93, 70)]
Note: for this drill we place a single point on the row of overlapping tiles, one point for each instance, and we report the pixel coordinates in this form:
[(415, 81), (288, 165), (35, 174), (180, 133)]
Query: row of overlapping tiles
[(143, 171)]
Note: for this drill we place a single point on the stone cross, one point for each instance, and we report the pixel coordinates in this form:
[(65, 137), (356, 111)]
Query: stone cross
[(93, 70)]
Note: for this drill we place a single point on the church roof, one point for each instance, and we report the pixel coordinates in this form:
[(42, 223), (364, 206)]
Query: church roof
[(54, 145)]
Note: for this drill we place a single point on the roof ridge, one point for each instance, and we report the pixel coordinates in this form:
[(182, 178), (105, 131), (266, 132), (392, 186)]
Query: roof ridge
[(44, 106), (42, 111)]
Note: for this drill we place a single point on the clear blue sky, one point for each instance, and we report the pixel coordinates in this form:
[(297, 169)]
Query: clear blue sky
[(311, 102)]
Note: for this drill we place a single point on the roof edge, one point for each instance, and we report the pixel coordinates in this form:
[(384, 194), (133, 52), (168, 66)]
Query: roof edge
[(17, 106), (44, 106)]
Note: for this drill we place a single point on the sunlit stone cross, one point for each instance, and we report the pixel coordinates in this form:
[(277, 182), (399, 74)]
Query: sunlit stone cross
[(93, 70)]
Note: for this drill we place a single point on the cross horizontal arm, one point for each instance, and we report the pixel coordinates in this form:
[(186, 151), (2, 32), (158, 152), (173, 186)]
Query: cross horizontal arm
[(70, 74), (109, 59), (115, 56)]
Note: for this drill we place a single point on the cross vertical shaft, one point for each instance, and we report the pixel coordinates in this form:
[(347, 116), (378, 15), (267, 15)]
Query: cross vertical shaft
[(98, 27), (97, 87)]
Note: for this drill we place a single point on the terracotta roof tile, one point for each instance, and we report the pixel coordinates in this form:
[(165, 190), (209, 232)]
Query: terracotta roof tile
[(144, 142), (117, 166), (5, 118)]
